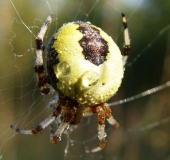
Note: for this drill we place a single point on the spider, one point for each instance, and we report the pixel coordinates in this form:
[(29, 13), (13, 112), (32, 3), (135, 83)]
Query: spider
[(85, 68)]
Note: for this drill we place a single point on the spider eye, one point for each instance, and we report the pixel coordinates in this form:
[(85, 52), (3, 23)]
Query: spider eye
[(63, 68)]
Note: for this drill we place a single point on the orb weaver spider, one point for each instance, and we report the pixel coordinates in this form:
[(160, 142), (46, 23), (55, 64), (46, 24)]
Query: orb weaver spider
[(85, 68)]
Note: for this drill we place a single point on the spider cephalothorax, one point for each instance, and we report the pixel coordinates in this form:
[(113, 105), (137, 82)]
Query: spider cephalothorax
[(85, 68)]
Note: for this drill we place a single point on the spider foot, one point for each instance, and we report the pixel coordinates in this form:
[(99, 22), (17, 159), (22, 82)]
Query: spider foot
[(96, 149), (14, 128), (102, 144), (116, 125), (21, 130), (55, 139)]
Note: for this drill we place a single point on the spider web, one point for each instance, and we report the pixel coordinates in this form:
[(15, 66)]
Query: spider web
[(144, 120)]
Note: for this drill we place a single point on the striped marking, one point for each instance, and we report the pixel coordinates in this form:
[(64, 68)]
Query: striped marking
[(126, 39)]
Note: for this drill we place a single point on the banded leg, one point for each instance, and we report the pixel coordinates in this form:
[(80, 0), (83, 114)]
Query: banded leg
[(126, 39), (103, 111), (77, 117), (109, 116), (39, 68), (67, 118), (101, 128), (56, 112)]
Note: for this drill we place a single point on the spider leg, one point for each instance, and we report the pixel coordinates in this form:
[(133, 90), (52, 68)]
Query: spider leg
[(77, 117), (39, 68), (109, 116), (101, 128), (103, 111), (38, 128), (67, 118), (126, 39), (74, 121), (56, 112), (51, 131)]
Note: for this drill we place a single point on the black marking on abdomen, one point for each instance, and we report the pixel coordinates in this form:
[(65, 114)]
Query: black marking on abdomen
[(95, 48), (51, 61)]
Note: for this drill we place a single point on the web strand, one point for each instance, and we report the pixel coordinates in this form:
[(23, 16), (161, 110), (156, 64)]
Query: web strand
[(143, 94), (30, 107)]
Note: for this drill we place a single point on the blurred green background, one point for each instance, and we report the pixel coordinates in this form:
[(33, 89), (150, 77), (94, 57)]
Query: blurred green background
[(22, 104)]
